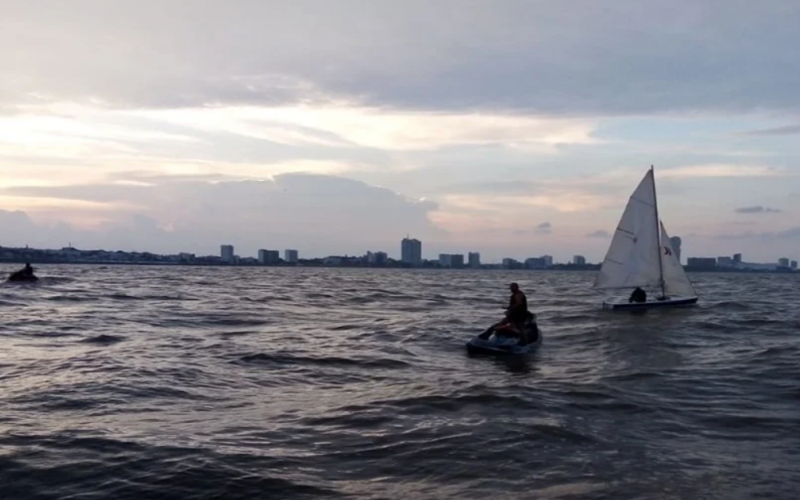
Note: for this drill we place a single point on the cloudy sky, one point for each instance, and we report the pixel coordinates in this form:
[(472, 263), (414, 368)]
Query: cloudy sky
[(514, 128)]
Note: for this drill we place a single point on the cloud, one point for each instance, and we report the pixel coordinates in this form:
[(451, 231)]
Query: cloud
[(695, 56), (543, 228), (316, 213), (443, 111), (87, 144), (722, 170), (599, 234), (758, 209), (785, 130), (787, 234), (347, 125), (587, 192)]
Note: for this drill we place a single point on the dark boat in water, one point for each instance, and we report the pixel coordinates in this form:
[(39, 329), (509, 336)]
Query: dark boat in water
[(500, 340), (24, 275)]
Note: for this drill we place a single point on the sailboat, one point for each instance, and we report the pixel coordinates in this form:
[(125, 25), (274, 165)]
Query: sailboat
[(641, 255)]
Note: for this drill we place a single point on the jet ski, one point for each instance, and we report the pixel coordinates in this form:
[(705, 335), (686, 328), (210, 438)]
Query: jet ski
[(23, 275), (19, 276), (503, 340)]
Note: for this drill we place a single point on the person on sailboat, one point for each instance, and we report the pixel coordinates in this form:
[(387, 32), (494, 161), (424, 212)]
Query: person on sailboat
[(638, 295), (517, 310)]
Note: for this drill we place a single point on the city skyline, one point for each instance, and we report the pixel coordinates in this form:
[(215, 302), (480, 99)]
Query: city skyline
[(410, 252), (228, 256), (504, 133)]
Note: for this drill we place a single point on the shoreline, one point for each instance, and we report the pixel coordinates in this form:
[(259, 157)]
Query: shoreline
[(314, 265)]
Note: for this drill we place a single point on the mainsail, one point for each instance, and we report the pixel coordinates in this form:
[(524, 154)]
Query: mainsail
[(675, 280), (633, 258)]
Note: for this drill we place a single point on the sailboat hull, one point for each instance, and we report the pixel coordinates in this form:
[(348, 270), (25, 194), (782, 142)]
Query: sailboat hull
[(623, 304)]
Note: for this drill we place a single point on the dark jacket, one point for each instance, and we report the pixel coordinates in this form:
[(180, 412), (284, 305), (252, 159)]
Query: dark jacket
[(518, 306), (638, 295)]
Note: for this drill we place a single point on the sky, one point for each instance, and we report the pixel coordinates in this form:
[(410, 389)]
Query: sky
[(515, 128)]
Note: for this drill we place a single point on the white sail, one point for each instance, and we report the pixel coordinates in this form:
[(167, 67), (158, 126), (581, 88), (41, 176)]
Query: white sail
[(632, 259), (676, 283)]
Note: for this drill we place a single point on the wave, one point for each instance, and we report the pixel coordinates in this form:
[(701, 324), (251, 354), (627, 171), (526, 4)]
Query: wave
[(104, 339), (298, 360), (72, 298), (183, 384), (69, 467)]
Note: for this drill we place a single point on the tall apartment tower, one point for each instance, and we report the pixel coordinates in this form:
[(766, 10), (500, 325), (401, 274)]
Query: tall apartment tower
[(226, 253), (411, 251)]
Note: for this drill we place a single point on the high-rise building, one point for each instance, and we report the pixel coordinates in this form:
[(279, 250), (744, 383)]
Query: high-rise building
[(268, 257), (579, 260), (474, 259), (793, 265), (737, 258), (548, 260), (226, 253), (675, 243), (290, 256), (783, 262), (411, 251)]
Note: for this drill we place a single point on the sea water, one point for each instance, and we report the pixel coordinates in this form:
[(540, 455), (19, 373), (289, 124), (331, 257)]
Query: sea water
[(248, 383)]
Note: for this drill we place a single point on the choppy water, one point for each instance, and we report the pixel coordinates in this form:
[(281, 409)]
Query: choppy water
[(200, 383)]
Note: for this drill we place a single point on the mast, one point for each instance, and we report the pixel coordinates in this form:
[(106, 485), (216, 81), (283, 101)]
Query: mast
[(658, 234)]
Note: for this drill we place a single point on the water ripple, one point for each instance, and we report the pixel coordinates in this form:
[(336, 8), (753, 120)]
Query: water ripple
[(199, 383)]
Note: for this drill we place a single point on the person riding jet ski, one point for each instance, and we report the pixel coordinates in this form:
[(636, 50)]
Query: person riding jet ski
[(24, 274)]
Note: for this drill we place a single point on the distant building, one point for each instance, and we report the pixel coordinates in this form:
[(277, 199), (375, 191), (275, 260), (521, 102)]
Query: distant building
[(290, 256), (377, 258), (548, 260), (333, 260), (509, 263), (783, 262), (226, 253), (186, 257), (793, 265), (269, 257), (701, 262), (755, 266), (451, 260), (737, 259), (725, 262), (675, 243), (474, 259), (411, 251), (535, 263), (579, 260)]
